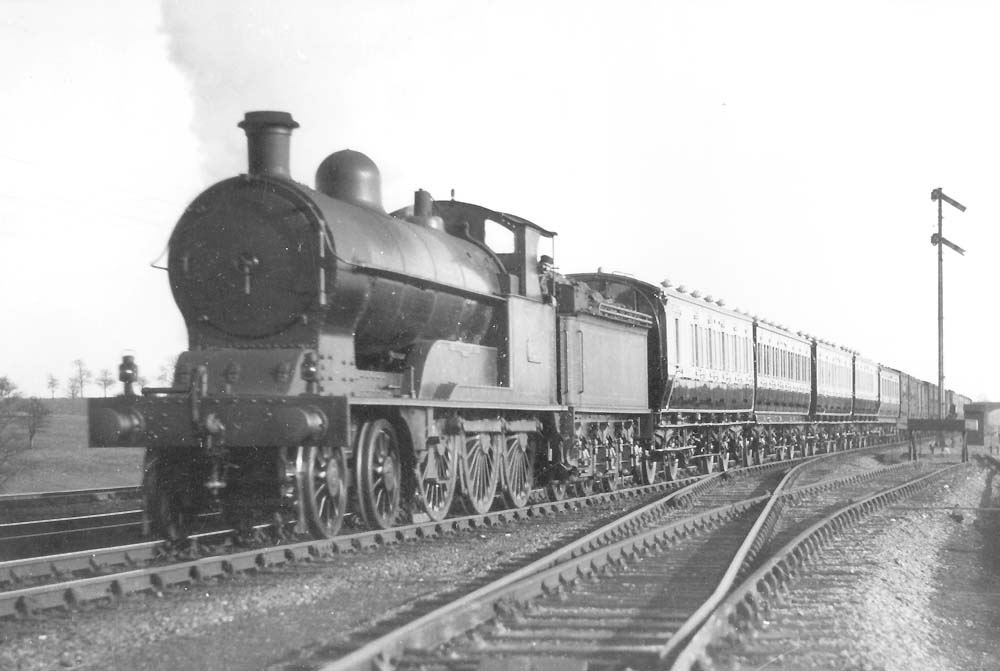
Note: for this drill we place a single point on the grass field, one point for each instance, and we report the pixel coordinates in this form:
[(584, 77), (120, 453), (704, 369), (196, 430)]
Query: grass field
[(61, 459)]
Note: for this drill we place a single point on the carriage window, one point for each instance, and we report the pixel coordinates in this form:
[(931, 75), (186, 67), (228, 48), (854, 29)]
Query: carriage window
[(695, 358), (677, 340)]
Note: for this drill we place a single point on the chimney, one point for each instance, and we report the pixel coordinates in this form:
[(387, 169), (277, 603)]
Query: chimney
[(268, 139)]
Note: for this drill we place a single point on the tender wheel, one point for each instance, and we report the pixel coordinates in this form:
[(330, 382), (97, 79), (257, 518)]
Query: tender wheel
[(480, 472), (724, 460), (173, 491), (648, 470), (518, 470), (584, 487), (436, 474), (377, 473), (320, 477), (708, 464), (673, 467)]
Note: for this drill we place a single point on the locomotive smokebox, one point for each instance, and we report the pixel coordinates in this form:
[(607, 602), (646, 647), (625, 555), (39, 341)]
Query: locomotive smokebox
[(268, 139), (352, 177)]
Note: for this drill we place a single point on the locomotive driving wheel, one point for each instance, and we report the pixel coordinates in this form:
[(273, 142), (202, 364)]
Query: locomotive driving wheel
[(437, 475), (377, 473), (480, 472), (518, 469), (321, 488), (173, 491)]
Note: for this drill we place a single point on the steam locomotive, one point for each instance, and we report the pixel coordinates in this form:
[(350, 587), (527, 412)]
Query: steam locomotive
[(343, 360)]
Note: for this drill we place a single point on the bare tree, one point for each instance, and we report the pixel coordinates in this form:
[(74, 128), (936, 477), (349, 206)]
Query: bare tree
[(36, 417), (9, 399), (52, 384), (79, 382), (105, 380), (9, 416)]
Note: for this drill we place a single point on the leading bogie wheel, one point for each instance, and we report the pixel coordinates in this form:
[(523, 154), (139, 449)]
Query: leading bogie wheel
[(518, 472), (173, 491), (437, 475), (556, 490), (480, 472), (378, 473), (320, 477)]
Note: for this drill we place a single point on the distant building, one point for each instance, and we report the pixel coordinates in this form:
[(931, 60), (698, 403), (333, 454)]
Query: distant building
[(982, 421)]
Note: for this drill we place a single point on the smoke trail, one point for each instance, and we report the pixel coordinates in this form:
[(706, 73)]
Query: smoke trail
[(236, 58)]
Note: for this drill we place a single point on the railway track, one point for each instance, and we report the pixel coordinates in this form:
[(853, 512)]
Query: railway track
[(813, 561), (31, 506), (627, 603), (68, 579), (48, 536), (65, 495)]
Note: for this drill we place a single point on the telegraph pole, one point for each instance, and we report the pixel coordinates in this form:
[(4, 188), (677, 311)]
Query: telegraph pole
[(941, 410), (939, 240)]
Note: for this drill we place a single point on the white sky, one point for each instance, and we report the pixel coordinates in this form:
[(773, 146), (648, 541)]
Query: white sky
[(779, 155)]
